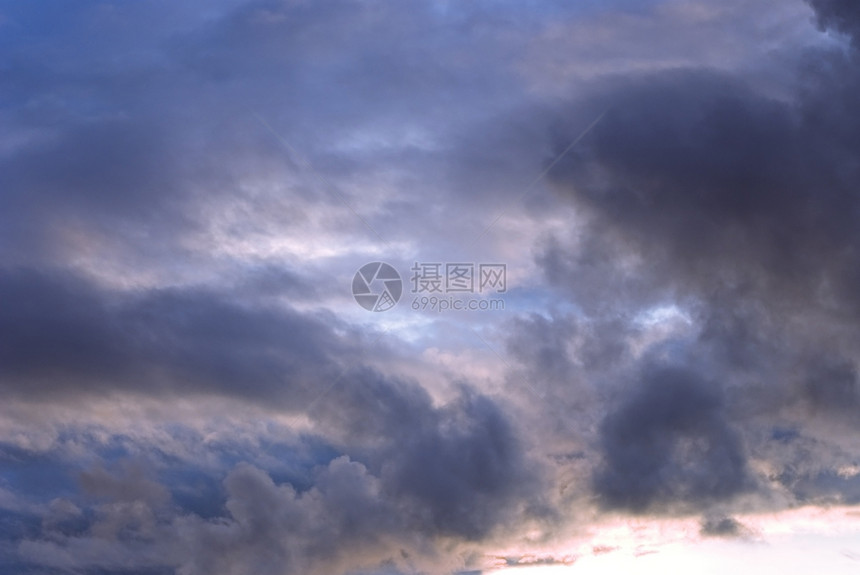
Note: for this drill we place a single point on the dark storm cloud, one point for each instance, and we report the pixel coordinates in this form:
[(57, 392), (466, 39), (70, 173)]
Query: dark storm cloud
[(135, 128), (455, 468), (62, 335), (739, 205), (722, 187), (711, 191), (670, 444), (841, 15), (456, 471), (130, 515), (457, 474)]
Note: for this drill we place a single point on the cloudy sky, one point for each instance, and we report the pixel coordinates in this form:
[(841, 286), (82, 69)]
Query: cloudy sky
[(647, 210)]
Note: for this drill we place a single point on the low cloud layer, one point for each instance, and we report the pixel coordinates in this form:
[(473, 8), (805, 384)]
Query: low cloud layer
[(187, 191)]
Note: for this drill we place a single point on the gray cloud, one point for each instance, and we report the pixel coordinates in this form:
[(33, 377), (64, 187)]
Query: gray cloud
[(453, 471), (724, 187), (457, 471), (722, 527), (705, 193), (670, 444), (161, 248), (62, 334), (842, 15), (345, 518)]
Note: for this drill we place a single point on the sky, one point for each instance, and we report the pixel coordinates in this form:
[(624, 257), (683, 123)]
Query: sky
[(353, 287)]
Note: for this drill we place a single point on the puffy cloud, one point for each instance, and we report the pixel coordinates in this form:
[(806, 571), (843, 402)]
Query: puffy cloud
[(178, 192), (734, 208), (410, 473), (670, 445), (346, 518)]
